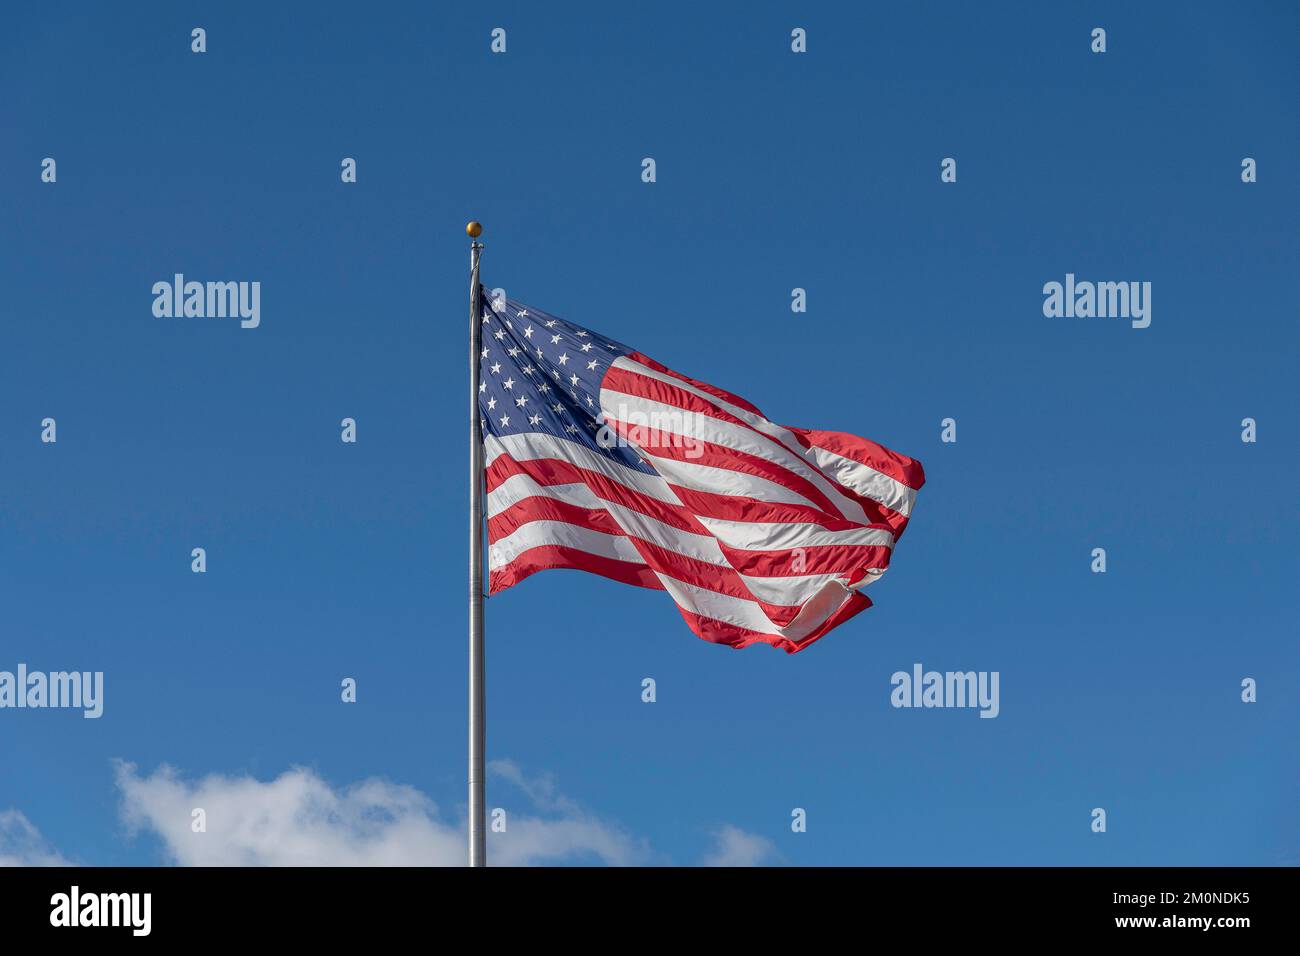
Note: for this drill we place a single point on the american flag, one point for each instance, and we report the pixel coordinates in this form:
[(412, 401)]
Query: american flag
[(601, 459)]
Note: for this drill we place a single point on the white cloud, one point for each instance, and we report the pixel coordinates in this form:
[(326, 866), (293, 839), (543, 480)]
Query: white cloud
[(21, 844), (575, 835), (736, 847), (541, 789), (298, 819)]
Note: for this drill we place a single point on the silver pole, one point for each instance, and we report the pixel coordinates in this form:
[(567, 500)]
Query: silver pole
[(477, 671)]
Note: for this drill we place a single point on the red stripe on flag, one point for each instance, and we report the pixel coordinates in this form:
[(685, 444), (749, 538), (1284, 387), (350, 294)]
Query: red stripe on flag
[(539, 508), (553, 471), (702, 386), (850, 560), (864, 452), (713, 455), (548, 556), (721, 632), (702, 574), (630, 382)]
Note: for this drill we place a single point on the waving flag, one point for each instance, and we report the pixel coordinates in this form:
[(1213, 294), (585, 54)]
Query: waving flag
[(601, 459)]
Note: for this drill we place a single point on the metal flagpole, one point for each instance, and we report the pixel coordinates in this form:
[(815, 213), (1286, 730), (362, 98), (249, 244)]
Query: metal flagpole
[(477, 673)]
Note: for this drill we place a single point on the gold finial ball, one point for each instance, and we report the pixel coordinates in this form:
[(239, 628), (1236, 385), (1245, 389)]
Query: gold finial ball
[(474, 229)]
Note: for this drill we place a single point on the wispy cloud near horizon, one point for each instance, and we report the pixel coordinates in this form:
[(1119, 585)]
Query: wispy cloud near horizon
[(21, 844), (300, 819)]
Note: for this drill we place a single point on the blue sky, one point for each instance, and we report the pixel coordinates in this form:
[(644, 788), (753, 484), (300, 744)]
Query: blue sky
[(774, 171)]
